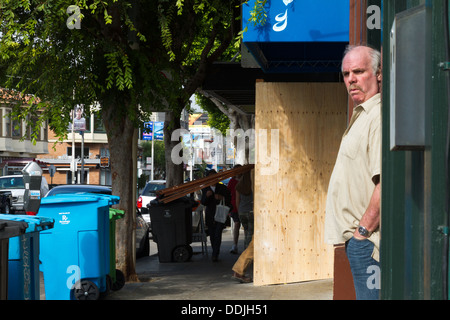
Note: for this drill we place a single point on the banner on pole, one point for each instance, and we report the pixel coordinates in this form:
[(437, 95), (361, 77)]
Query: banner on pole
[(153, 129)]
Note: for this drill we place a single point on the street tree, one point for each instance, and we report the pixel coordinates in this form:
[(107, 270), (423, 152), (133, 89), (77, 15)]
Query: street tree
[(127, 58), (195, 39)]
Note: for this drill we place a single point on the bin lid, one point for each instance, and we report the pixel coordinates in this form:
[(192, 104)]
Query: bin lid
[(34, 223), (11, 228), (182, 200), (80, 197), (110, 198)]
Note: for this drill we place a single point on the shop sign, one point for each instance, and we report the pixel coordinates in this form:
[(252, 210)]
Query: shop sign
[(299, 21)]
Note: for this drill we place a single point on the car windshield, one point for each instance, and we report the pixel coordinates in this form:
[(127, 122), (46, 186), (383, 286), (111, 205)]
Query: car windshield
[(11, 183), (151, 188)]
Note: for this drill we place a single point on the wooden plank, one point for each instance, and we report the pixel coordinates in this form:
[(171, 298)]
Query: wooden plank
[(172, 193), (290, 204)]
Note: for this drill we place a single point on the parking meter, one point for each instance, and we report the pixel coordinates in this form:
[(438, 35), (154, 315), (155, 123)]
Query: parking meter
[(32, 178)]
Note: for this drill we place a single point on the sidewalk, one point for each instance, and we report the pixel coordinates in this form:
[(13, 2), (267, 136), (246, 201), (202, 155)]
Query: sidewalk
[(202, 279)]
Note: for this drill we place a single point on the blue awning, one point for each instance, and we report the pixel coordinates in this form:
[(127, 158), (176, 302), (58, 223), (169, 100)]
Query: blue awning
[(299, 35)]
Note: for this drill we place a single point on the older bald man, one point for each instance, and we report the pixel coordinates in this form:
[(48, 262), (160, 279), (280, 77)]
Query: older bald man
[(353, 200)]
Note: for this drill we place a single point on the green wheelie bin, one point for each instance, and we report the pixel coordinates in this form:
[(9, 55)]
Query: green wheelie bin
[(117, 277)]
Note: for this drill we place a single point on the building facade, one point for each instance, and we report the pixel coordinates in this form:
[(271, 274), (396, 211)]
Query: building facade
[(16, 145), (95, 164)]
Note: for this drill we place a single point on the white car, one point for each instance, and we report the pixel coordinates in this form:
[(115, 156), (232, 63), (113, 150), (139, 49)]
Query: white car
[(15, 184), (147, 195), (17, 187)]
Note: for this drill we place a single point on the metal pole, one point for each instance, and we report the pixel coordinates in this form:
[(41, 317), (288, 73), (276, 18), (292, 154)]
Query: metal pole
[(74, 168), (153, 151), (193, 155), (82, 157)]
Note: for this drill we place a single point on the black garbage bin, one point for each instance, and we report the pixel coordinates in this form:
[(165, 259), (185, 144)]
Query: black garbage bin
[(172, 229), (8, 229)]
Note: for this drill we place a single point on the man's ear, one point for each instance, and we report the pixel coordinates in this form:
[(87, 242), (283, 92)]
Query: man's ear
[(379, 75)]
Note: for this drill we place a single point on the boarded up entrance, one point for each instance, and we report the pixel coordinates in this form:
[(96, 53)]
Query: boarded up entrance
[(291, 186)]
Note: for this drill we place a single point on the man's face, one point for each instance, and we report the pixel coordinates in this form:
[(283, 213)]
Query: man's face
[(362, 84)]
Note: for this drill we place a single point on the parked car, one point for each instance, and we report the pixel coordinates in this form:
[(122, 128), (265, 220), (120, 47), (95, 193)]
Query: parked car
[(142, 229), (16, 186), (76, 188), (149, 193)]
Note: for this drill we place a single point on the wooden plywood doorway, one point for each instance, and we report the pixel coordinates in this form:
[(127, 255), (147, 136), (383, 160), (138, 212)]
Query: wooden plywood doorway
[(308, 120)]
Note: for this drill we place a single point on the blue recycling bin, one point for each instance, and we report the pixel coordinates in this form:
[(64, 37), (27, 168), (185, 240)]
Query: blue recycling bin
[(23, 257), (75, 253), (8, 229)]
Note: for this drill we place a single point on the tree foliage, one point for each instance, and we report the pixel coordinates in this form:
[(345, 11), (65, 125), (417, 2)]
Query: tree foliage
[(153, 55), (128, 57), (41, 55), (216, 118)]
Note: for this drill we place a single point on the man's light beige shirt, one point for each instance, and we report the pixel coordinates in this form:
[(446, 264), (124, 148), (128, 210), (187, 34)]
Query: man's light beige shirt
[(351, 185)]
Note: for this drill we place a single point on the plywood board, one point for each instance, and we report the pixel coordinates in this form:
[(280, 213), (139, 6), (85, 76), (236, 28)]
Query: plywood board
[(290, 190)]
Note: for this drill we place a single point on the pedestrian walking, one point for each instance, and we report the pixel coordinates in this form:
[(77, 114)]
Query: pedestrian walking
[(212, 196)]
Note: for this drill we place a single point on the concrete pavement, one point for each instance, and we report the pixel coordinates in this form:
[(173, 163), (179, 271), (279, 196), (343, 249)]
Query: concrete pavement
[(202, 279)]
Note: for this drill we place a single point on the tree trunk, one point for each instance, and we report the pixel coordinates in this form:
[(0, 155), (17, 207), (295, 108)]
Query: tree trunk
[(237, 121), (174, 172), (122, 140)]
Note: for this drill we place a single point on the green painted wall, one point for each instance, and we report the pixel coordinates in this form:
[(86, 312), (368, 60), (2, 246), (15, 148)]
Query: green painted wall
[(414, 182)]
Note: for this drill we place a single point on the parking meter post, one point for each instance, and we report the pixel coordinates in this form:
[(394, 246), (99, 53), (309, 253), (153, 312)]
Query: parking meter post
[(32, 178)]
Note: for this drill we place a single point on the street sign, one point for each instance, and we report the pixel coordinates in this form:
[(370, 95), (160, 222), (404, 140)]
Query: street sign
[(153, 128), (51, 170), (104, 162), (148, 131), (158, 128)]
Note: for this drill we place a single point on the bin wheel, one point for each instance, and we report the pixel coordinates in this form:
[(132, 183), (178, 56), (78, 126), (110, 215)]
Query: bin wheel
[(120, 281), (182, 253), (85, 290)]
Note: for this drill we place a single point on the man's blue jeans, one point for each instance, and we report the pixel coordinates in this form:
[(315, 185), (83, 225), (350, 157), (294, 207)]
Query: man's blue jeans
[(365, 269)]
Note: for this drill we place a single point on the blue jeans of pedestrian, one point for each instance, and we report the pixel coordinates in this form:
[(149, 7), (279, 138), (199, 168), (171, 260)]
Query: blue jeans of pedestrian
[(365, 269)]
